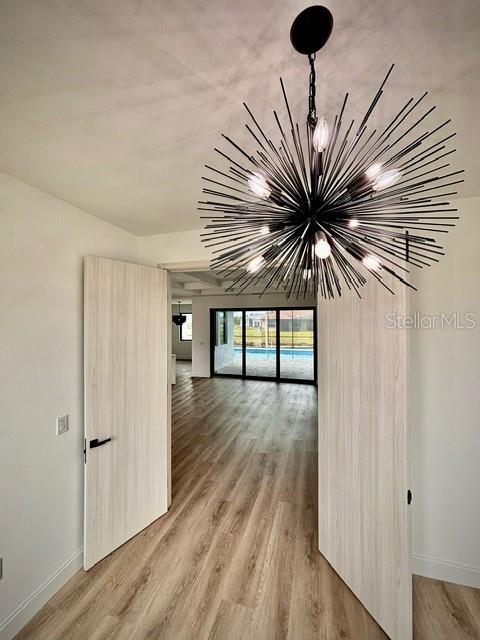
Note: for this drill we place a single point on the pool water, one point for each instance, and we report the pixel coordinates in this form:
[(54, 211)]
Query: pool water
[(268, 351), (294, 363)]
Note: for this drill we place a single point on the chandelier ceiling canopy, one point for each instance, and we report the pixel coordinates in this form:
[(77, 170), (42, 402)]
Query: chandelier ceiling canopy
[(332, 202)]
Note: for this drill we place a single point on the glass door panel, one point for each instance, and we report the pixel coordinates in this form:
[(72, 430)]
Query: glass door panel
[(260, 343), (227, 355), (297, 340)]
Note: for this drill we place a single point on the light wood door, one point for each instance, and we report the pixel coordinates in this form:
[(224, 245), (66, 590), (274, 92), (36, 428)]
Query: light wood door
[(363, 469), (127, 399)]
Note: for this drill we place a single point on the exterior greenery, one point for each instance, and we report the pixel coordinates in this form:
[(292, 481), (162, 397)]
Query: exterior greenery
[(257, 337)]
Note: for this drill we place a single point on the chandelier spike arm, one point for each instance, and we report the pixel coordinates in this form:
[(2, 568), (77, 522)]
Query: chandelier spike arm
[(419, 157), (269, 142), (415, 125), (297, 143), (302, 159), (382, 136), (422, 139), (407, 167), (401, 117), (293, 180), (325, 157), (257, 139), (332, 182), (331, 170)]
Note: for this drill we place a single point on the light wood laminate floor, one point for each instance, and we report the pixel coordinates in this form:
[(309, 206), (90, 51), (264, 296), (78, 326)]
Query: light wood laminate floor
[(236, 556)]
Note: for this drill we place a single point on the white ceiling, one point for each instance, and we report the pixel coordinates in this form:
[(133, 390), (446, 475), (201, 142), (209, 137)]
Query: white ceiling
[(186, 284), (115, 105)]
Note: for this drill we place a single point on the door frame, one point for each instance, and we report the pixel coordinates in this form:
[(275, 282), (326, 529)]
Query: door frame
[(277, 377)]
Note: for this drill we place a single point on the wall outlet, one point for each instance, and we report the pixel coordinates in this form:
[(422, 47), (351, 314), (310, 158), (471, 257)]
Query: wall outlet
[(62, 425)]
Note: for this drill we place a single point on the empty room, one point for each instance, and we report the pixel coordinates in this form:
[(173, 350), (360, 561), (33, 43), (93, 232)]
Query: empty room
[(239, 320)]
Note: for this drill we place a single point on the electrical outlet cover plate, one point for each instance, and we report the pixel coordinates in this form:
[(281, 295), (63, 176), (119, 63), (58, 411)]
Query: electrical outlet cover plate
[(62, 425)]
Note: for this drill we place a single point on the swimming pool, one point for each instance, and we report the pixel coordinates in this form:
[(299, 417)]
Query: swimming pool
[(294, 363), (269, 351)]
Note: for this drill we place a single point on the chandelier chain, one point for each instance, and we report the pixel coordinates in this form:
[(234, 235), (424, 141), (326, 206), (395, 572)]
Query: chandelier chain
[(312, 109)]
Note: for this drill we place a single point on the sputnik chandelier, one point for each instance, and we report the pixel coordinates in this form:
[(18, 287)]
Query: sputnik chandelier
[(325, 210), (179, 318)]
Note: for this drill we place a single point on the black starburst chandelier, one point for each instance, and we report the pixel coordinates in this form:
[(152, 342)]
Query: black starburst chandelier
[(326, 209)]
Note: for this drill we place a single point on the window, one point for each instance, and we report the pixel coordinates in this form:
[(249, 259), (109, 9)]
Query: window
[(186, 328)]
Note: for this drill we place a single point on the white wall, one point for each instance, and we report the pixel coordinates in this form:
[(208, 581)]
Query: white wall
[(201, 320), (42, 243), (181, 348), (444, 401), (184, 247)]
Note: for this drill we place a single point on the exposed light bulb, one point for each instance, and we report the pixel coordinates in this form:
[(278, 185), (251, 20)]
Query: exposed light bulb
[(265, 230), (386, 179), (256, 264), (353, 223), (307, 274), (322, 246), (373, 171), (371, 262), (259, 185), (320, 135)]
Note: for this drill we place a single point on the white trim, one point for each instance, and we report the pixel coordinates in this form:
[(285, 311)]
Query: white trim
[(198, 265), (35, 601), (447, 571)]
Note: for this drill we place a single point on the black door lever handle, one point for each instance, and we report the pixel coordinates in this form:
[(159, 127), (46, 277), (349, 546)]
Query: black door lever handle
[(98, 443)]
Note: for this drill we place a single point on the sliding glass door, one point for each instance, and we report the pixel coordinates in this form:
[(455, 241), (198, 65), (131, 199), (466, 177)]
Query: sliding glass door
[(297, 344), (260, 343), (271, 344), (227, 343)]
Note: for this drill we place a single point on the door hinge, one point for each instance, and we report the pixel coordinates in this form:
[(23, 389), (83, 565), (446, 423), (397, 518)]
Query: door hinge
[(409, 497), (85, 451)]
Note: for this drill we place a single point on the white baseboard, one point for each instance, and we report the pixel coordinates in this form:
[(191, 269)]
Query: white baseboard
[(446, 571), (35, 601)]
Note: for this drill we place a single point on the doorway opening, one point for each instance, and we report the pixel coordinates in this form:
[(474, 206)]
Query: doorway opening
[(278, 344)]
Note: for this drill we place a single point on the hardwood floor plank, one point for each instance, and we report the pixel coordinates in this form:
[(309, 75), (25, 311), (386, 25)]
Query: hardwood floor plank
[(445, 611), (270, 620), (111, 628), (196, 611), (244, 579), (236, 556), (232, 621)]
